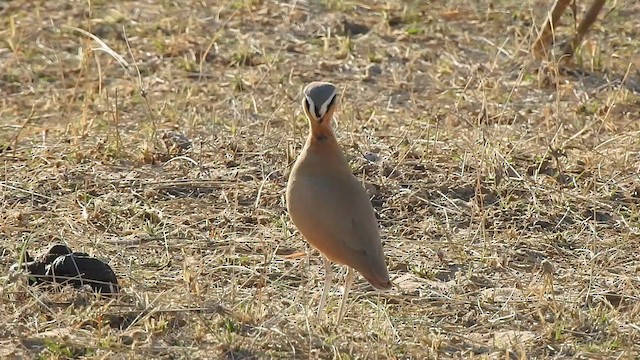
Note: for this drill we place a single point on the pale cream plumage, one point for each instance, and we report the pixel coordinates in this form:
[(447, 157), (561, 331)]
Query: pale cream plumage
[(328, 204)]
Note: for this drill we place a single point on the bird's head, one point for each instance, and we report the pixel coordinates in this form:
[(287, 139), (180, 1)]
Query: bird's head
[(319, 101)]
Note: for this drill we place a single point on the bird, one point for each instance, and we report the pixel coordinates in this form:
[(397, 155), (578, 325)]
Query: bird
[(328, 205)]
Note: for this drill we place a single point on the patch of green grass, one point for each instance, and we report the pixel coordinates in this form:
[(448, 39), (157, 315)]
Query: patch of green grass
[(415, 29)]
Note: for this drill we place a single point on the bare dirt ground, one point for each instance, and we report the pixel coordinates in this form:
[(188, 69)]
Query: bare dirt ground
[(507, 188)]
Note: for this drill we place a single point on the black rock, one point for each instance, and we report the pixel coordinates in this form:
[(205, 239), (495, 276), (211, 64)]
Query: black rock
[(53, 253), (352, 28), (63, 266), (80, 269)]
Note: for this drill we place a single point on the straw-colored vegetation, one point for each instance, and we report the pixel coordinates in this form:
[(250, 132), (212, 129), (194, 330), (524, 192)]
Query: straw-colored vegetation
[(159, 135)]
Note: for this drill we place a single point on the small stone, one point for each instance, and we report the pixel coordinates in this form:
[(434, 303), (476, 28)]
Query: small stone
[(372, 157), (547, 267), (176, 143), (373, 70)]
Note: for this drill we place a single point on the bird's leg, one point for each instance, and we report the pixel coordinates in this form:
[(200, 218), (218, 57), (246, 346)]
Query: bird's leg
[(587, 21), (345, 296), (542, 45), (328, 277)]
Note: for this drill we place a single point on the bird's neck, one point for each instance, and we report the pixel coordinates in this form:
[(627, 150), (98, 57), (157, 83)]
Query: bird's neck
[(322, 136), (322, 150)]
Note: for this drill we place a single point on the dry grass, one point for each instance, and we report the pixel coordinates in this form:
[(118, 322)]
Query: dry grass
[(507, 189)]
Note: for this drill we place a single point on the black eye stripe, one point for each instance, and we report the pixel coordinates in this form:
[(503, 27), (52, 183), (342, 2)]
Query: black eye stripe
[(307, 105), (333, 100), (317, 111)]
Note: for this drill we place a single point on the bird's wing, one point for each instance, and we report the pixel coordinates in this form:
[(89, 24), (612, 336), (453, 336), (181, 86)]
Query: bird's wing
[(336, 210)]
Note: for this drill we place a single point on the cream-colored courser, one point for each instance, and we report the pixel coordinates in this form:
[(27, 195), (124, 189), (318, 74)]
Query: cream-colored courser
[(328, 204)]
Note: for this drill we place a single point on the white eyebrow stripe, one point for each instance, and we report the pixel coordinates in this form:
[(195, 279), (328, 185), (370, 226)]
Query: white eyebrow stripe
[(323, 108), (312, 107)]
